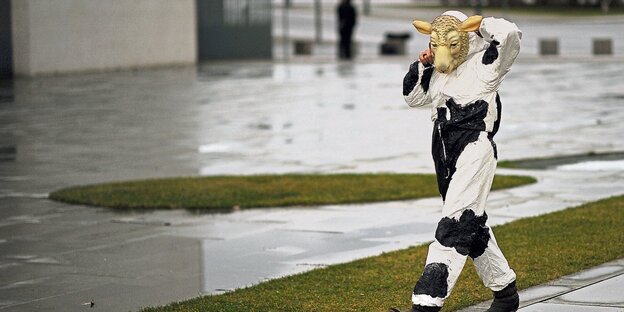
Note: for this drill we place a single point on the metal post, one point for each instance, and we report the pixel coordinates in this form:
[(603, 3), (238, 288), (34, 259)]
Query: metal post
[(367, 7), (285, 39), (317, 21)]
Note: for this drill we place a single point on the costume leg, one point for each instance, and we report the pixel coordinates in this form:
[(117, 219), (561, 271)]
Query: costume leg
[(462, 231), (493, 268)]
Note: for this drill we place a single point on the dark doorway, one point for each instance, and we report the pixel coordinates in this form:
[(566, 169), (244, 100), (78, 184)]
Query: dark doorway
[(6, 46), (234, 29)]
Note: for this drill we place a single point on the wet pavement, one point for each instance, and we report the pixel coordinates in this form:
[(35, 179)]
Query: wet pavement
[(246, 118), (598, 289)]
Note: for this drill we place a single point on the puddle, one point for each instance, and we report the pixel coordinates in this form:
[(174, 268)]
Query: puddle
[(287, 250), (217, 148), (612, 165)]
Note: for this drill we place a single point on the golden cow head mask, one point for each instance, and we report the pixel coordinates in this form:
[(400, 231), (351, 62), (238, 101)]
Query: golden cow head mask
[(449, 39)]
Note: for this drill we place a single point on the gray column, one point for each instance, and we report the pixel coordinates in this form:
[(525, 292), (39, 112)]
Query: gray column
[(317, 21)]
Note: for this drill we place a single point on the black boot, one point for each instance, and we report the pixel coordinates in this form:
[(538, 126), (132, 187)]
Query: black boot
[(506, 300), (418, 308)]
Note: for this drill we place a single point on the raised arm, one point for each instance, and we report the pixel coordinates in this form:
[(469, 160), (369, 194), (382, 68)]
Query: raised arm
[(504, 39), (416, 84)]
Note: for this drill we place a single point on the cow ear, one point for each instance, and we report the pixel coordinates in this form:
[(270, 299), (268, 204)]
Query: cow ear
[(423, 27), (471, 24)]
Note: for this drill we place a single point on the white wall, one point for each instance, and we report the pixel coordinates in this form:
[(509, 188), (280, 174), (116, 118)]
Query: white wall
[(57, 36)]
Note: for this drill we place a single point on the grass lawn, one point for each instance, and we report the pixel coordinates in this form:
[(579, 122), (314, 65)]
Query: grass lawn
[(225, 192), (539, 249)]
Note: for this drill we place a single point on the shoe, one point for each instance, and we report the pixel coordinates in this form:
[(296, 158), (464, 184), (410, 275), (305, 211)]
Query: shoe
[(506, 300), (418, 308)]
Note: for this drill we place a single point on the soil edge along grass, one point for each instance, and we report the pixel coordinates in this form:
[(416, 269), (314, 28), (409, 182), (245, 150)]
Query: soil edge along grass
[(225, 192), (539, 249)]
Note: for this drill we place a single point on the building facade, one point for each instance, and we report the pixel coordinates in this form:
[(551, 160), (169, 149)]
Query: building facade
[(49, 37)]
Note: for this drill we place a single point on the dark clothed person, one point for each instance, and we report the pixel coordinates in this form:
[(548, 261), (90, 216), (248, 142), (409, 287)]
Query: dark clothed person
[(347, 19)]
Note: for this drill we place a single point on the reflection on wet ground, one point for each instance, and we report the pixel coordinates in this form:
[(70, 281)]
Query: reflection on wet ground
[(6, 90), (246, 118)]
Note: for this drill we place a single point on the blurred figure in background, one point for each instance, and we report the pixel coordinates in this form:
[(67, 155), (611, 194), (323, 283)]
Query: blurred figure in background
[(347, 18)]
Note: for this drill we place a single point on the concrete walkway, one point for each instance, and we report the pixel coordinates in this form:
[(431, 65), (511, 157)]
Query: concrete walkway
[(598, 289), (256, 118)]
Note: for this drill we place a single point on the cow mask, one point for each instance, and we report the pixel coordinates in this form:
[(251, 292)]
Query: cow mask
[(449, 39)]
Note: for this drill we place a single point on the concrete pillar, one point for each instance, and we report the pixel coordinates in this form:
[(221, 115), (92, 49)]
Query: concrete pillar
[(549, 46), (303, 47), (602, 46)]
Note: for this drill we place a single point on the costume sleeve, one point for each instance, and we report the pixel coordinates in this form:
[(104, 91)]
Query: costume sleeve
[(504, 39), (416, 84)]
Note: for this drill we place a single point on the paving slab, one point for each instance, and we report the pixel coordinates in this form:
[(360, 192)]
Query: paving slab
[(553, 307), (607, 293), (595, 289)]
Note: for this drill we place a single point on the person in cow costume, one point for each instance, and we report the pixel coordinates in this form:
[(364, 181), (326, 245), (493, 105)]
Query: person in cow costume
[(459, 75)]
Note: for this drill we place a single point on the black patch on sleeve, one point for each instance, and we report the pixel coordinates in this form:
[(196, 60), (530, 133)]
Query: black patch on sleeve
[(469, 235), (426, 78), (451, 136), (433, 281), (499, 111), (411, 78), (491, 54)]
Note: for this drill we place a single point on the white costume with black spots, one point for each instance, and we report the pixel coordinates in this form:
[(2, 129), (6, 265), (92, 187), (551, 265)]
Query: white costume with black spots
[(466, 114)]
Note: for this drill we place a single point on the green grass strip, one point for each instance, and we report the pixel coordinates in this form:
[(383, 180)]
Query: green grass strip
[(225, 192), (539, 249), (508, 164)]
